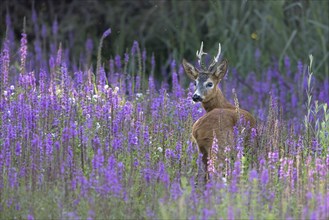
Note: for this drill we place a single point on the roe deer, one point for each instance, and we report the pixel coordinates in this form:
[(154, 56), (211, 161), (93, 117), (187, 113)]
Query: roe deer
[(221, 116)]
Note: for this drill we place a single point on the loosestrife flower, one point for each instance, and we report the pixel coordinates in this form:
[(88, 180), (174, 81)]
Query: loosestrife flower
[(55, 27), (212, 158), (134, 48), (5, 58), (89, 45), (253, 175), (264, 177), (23, 52)]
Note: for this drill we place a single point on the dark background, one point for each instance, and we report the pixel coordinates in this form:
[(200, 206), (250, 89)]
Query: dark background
[(248, 30)]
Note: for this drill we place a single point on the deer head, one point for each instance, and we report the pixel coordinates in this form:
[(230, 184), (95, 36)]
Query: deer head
[(206, 79)]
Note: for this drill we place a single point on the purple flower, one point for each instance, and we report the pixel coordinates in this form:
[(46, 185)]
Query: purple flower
[(191, 150), (35, 21), (213, 157), (102, 77), (133, 139), (136, 163), (134, 48), (169, 154), (150, 213), (163, 175), (98, 160), (316, 147), (18, 149), (176, 85), (208, 213), (144, 55), (23, 51), (175, 190), (148, 173), (30, 217), (178, 150), (118, 62), (253, 175), (151, 85), (91, 214), (314, 215), (89, 45), (12, 177), (5, 62), (264, 177), (126, 58), (230, 213), (106, 33), (55, 27)]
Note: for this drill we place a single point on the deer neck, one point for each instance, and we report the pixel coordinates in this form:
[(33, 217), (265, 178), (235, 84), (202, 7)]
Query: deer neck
[(217, 101)]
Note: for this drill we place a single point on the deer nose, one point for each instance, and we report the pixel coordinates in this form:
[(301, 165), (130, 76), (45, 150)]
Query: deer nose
[(196, 98)]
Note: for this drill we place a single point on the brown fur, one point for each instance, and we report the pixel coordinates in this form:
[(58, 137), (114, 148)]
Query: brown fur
[(221, 116), (221, 121)]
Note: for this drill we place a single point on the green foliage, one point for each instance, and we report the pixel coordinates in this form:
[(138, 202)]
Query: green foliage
[(316, 120), (176, 28), (323, 129)]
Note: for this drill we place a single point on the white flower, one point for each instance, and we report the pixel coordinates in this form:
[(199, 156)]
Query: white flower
[(5, 93), (72, 100), (224, 180), (106, 87), (160, 149), (58, 91), (12, 87), (116, 90)]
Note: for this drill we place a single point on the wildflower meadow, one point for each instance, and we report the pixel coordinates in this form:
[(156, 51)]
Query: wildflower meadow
[(111, 141)]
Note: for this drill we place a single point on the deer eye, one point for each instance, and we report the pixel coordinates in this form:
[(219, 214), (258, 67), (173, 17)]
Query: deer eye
[(209, 84)]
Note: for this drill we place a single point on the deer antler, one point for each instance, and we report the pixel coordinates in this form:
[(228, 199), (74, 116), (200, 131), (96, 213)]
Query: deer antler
[(199, 54), (215, 61)]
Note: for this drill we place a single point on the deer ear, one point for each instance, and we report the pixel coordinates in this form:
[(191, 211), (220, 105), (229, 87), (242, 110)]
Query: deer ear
[(221, 69), (190, 70)]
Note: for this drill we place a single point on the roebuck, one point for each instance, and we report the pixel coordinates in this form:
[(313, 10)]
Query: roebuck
[(221, 116)]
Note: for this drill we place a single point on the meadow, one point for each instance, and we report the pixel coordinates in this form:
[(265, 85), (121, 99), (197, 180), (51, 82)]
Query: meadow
[(113, 142)]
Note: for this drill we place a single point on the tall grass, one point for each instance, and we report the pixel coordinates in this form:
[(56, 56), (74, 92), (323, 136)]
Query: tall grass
[(73, 146)]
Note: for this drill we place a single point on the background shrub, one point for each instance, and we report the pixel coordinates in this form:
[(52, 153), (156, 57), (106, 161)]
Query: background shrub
[(248, 30)]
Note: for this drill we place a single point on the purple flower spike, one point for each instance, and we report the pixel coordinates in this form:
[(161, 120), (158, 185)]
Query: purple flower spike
[(264, 177), (107, 33), (23, 51), (253, 175), (55, 27), (30, 217)]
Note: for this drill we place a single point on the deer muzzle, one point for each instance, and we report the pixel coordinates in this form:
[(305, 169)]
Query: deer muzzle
[(196, 98)]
